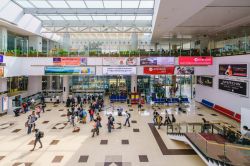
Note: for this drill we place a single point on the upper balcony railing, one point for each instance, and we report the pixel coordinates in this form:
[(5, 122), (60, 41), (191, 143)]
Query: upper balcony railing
[(139, 53), (216, 141)]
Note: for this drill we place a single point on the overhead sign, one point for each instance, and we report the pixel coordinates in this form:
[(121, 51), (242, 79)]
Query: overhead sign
[(237, 70), (1, 58), (119, 61), (1, 71), (159, 70), (238, 87), (162, 61), (51, 70), (184, 70), (195, 60), (119, 70), (205, 81), (69, 61)]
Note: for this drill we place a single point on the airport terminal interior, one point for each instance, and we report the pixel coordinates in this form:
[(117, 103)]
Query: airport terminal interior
[(124, 82)]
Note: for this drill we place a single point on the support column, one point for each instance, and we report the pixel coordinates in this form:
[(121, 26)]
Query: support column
[(35, 43), (133, 83), (49, 83), (66, 41), (58, 81), (65, 88), (34, 84), (3, 39), (134, 41)]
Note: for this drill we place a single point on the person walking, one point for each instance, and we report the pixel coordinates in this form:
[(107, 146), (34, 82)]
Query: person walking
[(91, 114), (96, 128), (159, 120), (127, 118), (167, 119), (38, 136), (110, 122), (31, 122), (98, 119), (155, 113)]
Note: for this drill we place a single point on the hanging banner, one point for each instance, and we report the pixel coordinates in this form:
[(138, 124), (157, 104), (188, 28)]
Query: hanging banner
[(237, 70), (1, 58), (119, 61), (69, 61), (159, 70), (237, 87), (195, 60), (119, 70), (51, 70), (184, 70), (205, 81), (1, 71), (163, 61)]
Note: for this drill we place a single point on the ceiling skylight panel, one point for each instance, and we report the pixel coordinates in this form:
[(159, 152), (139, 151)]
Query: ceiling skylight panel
[(144, 18), (70, 18), (128, 17), (56, 18), (99, 18), (59, 4), (112, 4), (76, 4), (25, 4), (130, 4), (94, 4), (40, 4), (146, 4), (113, 17), (43, 17), (84, 17)]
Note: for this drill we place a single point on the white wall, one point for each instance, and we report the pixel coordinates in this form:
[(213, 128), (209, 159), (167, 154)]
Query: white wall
[(3, 84), (225, 99), (34, 84)]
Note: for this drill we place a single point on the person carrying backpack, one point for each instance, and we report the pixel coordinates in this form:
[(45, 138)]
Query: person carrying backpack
[(38, 136), (127, 119)]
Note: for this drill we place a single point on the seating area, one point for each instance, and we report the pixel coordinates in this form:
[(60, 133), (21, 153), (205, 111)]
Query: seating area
[(222, 110), (170, 100), (117, 98)]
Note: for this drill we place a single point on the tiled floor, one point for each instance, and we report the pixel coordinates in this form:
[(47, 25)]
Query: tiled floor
[(137, 145)]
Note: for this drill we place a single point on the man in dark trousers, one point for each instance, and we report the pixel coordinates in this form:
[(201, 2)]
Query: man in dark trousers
[(38, 136), (127, 119)]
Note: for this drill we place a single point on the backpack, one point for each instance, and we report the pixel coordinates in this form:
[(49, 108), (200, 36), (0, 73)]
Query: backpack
[(41, 134), (173, 120), (129, 115)]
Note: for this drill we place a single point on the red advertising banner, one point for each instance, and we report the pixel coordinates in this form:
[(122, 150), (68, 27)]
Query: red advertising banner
[(159, 70), (195, 60), (69, 61)]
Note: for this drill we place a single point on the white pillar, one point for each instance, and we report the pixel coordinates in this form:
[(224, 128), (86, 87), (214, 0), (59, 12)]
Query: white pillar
[(66, 41), (35, 42), (3, 84), (34, 84), (134, 41), (65, 88), (49, 83), (133, 83), (58, 81), (3, 39)]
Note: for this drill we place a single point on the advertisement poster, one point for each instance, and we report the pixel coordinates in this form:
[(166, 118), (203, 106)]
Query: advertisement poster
[(70, 61), (237, 87), (5, 103), (69, 70), (119, 70), (149, 61), (159, 70), (1, 71), (184, 70), (1, 58), (195, 60), (119, 61), (237, 70), (205, 81)]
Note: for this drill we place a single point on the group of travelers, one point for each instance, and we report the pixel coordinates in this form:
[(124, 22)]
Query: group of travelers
[(158, 119)]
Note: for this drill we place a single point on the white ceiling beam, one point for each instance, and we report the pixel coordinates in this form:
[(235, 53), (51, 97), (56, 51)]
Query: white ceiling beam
[(89, 11), (76, 23)]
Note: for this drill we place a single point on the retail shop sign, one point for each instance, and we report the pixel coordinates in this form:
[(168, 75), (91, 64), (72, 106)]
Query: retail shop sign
[(1, 58), (233, 86), (119, 61), (161, 61), (184, 70), (119, 70), (1, 71), (69, 61), (52, 70), (159, 70), (205, 81), (236, 70), (195, 60)]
